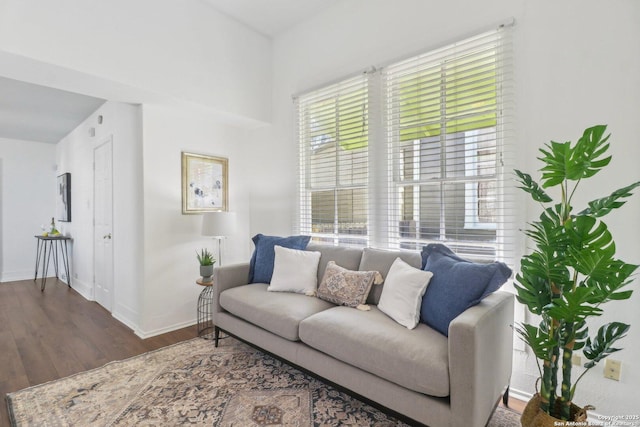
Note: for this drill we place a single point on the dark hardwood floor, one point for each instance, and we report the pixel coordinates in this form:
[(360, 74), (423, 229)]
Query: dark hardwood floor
[(52, 334)]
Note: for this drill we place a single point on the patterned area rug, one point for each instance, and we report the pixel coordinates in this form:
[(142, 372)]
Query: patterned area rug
[(193, 383)]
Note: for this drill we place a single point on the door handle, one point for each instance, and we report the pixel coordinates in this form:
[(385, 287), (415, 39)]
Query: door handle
[(107, 236)]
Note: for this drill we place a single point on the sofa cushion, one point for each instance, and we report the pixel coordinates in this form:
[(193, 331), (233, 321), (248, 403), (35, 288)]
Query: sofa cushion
[(402, 293), (277, 312), (381, 260), (261, 263), (343, 256), (417, 359), (295, 271), (456, 285), (346, 287)]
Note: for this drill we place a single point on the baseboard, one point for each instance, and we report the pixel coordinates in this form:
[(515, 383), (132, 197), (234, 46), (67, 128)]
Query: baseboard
[(128, 323), (18, 275), (83, 288), (127, 316), (520, 395), (160, 331)]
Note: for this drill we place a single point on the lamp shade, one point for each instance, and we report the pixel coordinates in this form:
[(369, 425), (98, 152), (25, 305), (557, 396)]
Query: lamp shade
[(218, 223)]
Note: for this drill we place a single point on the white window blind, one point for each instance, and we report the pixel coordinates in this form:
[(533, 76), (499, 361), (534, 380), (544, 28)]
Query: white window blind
[(447, 122), (333, 136), (414, 153)]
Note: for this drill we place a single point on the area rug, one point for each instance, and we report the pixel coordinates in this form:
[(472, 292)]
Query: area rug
[(193, 383)]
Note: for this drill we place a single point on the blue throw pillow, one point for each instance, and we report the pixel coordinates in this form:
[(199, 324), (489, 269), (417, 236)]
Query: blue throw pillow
[(261, 264), (456, 285)]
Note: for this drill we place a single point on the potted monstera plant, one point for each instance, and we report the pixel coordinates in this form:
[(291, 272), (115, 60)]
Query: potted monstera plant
[(570, 273)]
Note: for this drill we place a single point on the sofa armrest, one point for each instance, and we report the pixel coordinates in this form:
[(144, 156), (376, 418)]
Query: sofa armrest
[(226, 277), (480, 358)]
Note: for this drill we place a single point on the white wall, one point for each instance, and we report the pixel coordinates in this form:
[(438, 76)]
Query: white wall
[(128, 208), (161, 52), (120, 124), (179, 49), (577, 64), (171, 238), (154, 245), (27, 198), (571, 78)]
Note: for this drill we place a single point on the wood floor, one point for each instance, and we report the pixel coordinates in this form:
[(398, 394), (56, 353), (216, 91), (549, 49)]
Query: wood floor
[(52, 334)]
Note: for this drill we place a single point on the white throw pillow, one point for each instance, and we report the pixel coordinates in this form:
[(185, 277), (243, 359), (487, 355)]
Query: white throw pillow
[(295, 271), (402, 293)]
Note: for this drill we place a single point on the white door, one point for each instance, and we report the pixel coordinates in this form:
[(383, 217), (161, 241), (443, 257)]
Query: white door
[(103, 229)]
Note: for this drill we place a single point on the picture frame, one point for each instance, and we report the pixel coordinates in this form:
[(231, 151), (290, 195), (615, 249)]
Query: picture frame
[(63, 198), (205, 183)]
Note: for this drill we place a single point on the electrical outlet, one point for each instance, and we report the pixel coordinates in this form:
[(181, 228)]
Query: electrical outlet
[(612, 369), (576, 360)]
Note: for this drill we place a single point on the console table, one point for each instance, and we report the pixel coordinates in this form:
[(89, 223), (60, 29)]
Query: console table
[(48, 246)]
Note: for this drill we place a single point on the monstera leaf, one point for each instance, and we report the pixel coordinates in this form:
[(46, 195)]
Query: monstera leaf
[(532, 187), (607, 278), (601, 346), (589, 238), (573, 307), (603, 206), (564, 162), (540, 342)]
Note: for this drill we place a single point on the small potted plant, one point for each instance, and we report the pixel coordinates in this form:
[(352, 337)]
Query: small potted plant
[(571, 272), (205, 258)]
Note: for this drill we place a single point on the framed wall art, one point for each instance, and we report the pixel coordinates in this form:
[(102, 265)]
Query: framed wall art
[(205, 183), (63, 198)]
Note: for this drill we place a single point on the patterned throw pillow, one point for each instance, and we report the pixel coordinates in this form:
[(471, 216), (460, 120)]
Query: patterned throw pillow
[(345, 287)]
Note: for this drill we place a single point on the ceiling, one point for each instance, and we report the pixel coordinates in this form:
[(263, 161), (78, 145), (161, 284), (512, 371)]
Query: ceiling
[(271, 17), (38, 113)]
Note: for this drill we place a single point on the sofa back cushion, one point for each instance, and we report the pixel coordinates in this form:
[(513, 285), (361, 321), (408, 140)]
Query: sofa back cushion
[(381, 260), (346, 257)]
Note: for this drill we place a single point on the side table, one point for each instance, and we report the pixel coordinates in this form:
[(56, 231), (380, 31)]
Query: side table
[(205, 321), (51, 243)]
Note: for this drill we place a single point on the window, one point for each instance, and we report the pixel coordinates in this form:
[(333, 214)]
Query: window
[(333, 138), (413, 153)]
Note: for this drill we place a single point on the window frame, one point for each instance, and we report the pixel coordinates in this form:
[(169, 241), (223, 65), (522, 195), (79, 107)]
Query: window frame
[(384, 219)]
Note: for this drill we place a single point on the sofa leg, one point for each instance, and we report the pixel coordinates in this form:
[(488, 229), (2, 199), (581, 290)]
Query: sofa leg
[(216, 335), (505, 397)]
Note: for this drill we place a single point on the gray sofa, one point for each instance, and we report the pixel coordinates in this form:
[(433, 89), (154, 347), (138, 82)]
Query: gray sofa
[(419, 373)]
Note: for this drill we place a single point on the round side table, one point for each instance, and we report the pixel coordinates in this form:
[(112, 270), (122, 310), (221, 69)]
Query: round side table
[(205, 321)]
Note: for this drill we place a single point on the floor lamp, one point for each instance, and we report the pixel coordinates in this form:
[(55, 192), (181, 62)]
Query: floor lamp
[(219, 225)]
